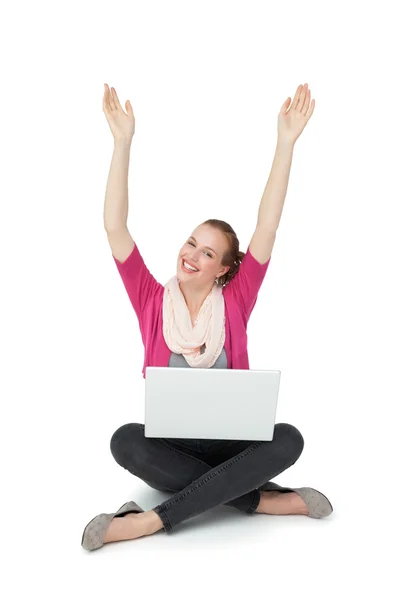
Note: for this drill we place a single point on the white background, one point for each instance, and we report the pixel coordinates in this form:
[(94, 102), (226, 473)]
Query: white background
[(206, 81)]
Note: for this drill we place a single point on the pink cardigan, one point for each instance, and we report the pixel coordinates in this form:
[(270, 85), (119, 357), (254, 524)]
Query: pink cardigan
[(146, 295)]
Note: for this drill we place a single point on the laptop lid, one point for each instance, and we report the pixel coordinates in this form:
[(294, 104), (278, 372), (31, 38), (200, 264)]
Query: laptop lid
[(223, 404)]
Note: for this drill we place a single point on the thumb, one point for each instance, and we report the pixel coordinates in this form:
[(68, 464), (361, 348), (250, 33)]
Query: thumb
[(128, 107), (285, 105)]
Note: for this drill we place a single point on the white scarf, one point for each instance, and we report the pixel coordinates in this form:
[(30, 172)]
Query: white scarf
[(180, 335)]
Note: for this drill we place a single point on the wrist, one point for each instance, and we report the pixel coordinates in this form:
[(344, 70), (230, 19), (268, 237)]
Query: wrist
[(122, 141), (286, 142)]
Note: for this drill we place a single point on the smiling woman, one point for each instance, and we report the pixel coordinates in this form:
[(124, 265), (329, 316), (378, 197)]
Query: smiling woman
[(209, 259), (223, 291), (213, 250)]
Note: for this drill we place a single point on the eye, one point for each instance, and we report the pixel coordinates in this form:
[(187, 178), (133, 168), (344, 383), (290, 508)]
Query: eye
[(208, 254)]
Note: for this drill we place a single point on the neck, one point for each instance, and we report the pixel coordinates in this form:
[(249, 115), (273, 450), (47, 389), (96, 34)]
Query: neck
[(194, 297)]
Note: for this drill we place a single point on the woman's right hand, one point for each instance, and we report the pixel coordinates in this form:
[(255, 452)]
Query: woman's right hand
[(122, 125)]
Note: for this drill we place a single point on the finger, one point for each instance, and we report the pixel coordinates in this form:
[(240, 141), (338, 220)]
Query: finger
[(306, 102), (111, 100), (106, 98), (296, 97), (116, 99), (311, 110), (302, 98)]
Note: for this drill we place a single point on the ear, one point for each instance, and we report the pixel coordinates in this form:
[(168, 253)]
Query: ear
[(225, 270)]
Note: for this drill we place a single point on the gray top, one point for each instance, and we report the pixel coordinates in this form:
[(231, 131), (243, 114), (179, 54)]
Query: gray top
[(178, 360)]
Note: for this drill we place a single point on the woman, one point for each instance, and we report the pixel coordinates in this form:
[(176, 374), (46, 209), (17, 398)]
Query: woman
[(199, 319)]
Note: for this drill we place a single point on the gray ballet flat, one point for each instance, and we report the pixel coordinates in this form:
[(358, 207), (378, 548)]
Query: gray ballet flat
[(318, 505), (95, 530)]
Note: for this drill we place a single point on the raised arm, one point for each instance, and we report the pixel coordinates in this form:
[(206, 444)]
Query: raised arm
[(122, 127), (291, 122)]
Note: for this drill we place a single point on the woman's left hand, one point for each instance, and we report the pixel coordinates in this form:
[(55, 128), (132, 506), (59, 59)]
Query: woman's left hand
[(292, 122)]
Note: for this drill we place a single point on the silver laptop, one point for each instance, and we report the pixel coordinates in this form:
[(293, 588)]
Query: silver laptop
[(218, 404)]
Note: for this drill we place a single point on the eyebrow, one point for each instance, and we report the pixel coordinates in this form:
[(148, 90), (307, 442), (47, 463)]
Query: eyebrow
[(191, 237)]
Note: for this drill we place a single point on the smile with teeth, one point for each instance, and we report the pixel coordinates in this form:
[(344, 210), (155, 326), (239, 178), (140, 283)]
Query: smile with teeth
[(187, 267)]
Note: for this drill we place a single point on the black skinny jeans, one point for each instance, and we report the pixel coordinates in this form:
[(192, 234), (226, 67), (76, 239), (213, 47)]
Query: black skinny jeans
[(203, 474)]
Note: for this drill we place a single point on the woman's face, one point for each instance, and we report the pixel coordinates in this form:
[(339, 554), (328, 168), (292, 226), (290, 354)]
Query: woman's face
[(204, 250)]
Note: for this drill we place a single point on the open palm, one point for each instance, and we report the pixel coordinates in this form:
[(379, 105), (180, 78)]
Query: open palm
[(291, 121)]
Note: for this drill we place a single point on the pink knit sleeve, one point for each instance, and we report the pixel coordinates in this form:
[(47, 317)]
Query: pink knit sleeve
[(247, 282), (138, 281)]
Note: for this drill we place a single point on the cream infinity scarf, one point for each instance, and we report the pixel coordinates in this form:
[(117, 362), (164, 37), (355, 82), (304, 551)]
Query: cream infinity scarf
[(180, 335)]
